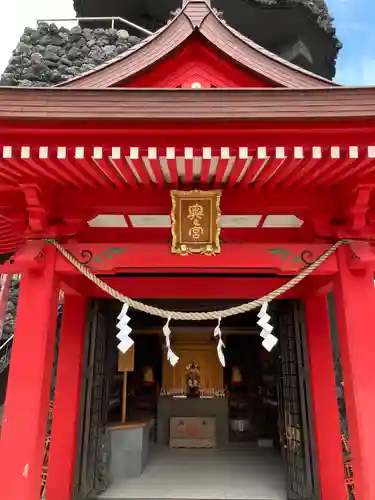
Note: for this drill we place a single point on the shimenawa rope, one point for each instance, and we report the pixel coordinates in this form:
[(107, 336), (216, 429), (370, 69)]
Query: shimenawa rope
[(195, 316)]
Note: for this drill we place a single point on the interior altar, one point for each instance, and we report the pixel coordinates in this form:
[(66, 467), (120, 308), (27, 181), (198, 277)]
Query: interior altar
[(193, 407)]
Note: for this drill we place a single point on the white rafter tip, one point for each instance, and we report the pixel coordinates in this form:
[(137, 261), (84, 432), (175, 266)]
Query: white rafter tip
[(207, 153), (243, 153), (7, 152), (225, 153), (170, 153), (316, 152), (371, 151), (116, 153), (61, 152), (298, 152), (79, 153), (98, 153), (335, 152), (25, 152), (280, 153), (262, 153), (43, 152), (189, 153), (134, 153), (152, 153), (353, 152)]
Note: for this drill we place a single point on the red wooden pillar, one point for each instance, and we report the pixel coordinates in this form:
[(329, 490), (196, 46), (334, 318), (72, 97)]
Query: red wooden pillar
[(61, 462), (324, 398), (355, 309), (29, 384)]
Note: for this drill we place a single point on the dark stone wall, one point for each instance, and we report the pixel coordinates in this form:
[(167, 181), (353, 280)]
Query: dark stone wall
[(49, 55)]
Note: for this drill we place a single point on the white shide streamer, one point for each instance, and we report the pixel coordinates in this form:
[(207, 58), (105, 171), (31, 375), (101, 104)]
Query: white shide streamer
[(220, 343), (171, 356), (269, 340), (123, 335)]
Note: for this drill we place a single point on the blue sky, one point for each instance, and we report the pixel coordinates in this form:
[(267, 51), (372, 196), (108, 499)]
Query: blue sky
[(355, 26)]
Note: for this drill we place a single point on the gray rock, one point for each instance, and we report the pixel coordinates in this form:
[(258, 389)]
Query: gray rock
[(73, 53), (57, 40), (87, 34), (35, 36), (23, 48), (39, 48), (109, 50), (76, 30), (99, 32), (72, 71), (134, 39), (7, 79), (43, 28), (25, 39), (51, 56), (45, 40), (112, 33), (51, 64), (36, 58), (87, 67), (24, 83), (65, 61), (91, 43), (53, 28), (122, 34), (55, 76), (52, 48)]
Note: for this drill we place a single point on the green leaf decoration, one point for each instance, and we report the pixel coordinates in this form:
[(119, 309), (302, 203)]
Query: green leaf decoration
[(285, 254), (107, 254)]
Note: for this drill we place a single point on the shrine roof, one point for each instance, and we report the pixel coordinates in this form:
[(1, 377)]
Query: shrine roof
[(329, 103), (197, 17)]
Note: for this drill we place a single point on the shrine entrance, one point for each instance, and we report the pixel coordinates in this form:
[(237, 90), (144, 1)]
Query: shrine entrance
[(246, 433)]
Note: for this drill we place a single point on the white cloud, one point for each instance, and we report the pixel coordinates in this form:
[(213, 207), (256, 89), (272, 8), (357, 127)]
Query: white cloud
[(17, 14)]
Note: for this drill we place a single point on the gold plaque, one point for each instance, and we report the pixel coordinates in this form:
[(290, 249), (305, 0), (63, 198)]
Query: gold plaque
[(196, 222)]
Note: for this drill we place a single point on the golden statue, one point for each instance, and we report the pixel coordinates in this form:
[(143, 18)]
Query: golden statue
[(148, 375), (193, 379), (236, 376)]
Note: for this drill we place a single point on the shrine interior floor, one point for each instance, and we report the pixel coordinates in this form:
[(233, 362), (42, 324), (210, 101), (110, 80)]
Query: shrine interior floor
[(237, 473)]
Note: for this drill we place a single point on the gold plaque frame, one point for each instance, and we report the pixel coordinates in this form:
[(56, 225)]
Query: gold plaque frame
[(196, 222)]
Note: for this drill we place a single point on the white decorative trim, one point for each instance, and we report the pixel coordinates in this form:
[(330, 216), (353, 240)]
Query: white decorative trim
[(7, 152), (25, 152), (61, 152), (298, 152), (79, 153), (335, 152), (189, 153), (98, 153), (262, 153), (43, 152)]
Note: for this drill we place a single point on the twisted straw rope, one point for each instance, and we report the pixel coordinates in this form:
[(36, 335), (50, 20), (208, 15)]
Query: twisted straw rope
[(195, 316)]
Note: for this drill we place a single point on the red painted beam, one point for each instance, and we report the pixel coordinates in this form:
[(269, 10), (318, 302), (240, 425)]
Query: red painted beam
[(254, 258), (204, 287)]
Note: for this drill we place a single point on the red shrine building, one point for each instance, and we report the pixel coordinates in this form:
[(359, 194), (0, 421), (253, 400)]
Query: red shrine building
[(194, 173)]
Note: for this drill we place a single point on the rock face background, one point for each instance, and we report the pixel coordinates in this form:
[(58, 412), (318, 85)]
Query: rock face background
[(49, 55)]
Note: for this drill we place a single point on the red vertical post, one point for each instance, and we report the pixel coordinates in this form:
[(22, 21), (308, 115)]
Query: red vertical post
[(355, 309), (324, 399), (29, 384), (62, 455)]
